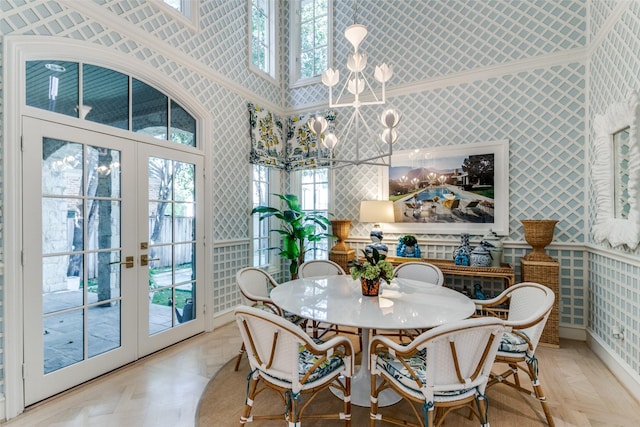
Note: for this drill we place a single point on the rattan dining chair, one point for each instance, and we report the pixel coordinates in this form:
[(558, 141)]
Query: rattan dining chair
[(525, 308), (255, 286), (443, 369), (285, 359), (418, 270), (319, 267)]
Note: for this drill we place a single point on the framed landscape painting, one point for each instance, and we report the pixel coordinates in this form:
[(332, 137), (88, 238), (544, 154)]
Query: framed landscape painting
[(451, 189)]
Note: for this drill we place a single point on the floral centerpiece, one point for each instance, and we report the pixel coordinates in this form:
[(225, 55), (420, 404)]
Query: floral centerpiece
[(371, 271)]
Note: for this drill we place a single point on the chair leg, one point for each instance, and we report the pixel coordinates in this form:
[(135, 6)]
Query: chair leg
[(373, 411), (239, 358), (481, 403), (293, 415), (251, 394), (347, 401), (537, 388)]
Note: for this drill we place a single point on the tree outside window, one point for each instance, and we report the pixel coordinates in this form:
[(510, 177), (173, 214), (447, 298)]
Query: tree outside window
[(311, 39), (262, 25)]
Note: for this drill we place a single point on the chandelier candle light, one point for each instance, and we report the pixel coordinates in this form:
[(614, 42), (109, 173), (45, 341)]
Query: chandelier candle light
[(355, 85)]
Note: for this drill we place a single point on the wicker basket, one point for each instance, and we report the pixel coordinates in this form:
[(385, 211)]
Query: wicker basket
[(548, 274), (538, 233), (342, 258)]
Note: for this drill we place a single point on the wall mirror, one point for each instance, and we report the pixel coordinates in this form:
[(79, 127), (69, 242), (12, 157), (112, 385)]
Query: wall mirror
[(616, 174)]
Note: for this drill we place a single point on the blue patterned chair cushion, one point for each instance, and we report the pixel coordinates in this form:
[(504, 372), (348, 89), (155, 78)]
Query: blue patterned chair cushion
[(513, 343), (306, 360), (294, 318), (397, 370)]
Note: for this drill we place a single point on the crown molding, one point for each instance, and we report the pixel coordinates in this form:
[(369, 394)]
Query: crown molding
[(579, 55)]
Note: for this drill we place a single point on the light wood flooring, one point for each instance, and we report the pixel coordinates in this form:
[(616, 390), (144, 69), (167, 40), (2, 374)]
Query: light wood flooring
[(164, 389)]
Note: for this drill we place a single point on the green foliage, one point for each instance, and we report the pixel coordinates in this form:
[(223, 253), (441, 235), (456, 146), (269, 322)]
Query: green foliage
[(409, 240), (373, 267), (297, 228), (163, 296)]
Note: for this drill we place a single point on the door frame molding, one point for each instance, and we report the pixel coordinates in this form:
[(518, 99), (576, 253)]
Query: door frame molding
[(18, 50)]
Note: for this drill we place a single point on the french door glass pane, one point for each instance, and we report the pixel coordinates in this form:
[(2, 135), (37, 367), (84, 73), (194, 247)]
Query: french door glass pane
[(104, 336), (160, 313), (160, 225), (62, 222), (60, 291), (63, 339)]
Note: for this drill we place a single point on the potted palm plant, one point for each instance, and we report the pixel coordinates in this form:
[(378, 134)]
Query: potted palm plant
[(298, 228)]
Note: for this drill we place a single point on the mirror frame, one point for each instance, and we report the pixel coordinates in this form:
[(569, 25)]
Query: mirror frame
[(617, 231)]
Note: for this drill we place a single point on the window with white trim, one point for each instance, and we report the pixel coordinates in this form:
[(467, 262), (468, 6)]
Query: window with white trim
[(188, 9), (260, 229), (311, 39), (314, 197), (262, 34)]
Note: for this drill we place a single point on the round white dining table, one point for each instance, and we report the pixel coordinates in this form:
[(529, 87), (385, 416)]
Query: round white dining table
[(403, 304)]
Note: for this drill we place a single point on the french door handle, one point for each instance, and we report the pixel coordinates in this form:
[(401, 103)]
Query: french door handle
[(128, 262), (144, 259)]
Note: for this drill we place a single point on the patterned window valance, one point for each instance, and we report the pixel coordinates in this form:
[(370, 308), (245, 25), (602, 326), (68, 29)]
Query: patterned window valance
[(267, 143), (270, 148)]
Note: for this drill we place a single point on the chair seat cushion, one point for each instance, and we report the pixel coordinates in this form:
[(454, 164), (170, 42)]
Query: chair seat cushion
[(386, 362), (294, 318), (513, 343), (306, 360)]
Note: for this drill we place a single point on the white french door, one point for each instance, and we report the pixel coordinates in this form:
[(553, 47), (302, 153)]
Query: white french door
[(171, 246), (112, 252)]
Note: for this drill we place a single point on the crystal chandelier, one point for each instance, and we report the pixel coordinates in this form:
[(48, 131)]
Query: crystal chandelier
[(379, 147)]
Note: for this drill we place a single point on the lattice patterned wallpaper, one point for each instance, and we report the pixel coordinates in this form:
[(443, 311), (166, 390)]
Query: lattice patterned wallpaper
[(613, 281), (540, 112)]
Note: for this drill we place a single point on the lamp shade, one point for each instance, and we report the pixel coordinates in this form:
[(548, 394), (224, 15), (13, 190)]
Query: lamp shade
[(377, 211)]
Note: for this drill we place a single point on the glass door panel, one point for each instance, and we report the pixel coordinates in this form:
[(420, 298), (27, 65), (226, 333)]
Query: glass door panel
[(74, 250), (172, 248)]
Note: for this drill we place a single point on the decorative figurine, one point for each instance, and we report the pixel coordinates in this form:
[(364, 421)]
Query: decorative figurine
[(477, 292)]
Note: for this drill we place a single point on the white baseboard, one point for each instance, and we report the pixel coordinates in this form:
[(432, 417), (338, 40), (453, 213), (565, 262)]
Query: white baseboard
[(570, 333), (622, 371), (223, 318)]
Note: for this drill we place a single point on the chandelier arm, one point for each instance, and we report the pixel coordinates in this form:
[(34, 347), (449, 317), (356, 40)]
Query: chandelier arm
[(373, 93), (344, 87), (366, 125), (368, 161)]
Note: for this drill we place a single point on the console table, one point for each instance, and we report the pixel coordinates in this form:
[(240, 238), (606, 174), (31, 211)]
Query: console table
[(505, 271)]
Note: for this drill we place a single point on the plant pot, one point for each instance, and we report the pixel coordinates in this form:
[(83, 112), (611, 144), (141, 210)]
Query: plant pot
[(340, 229), (538, 233), (370, 287)]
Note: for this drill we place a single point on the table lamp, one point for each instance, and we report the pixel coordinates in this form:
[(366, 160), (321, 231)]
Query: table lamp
[(377, 212)]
